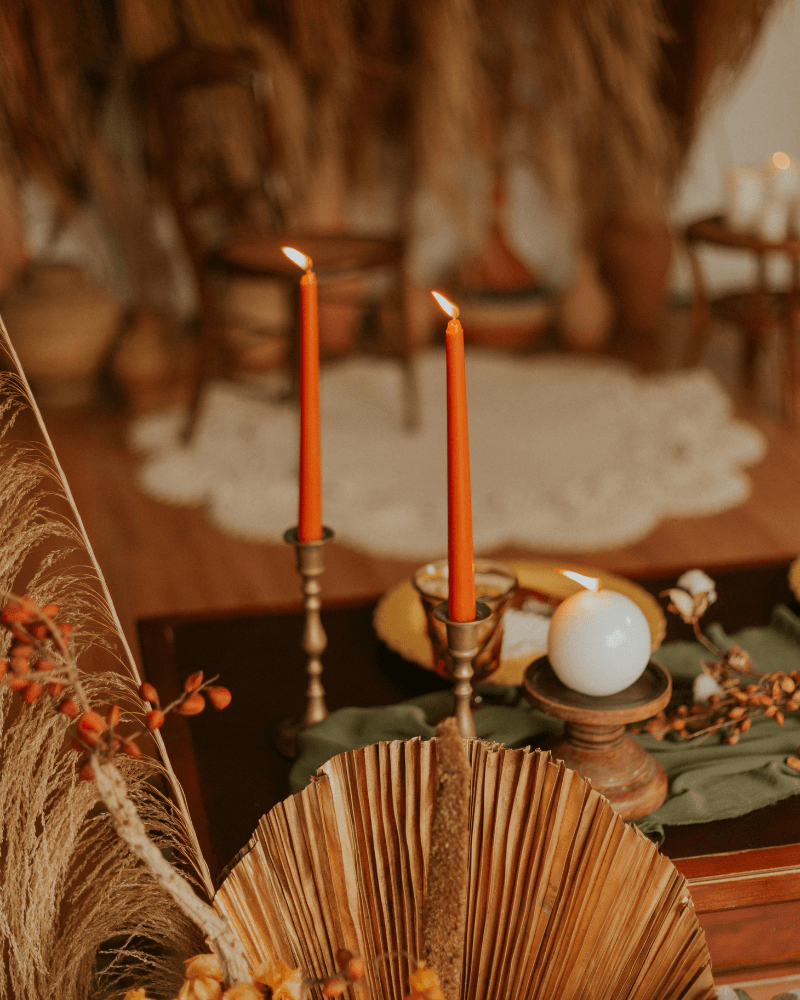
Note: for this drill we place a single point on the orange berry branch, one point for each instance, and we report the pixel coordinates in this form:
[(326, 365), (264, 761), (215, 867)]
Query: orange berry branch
[(736, 692), (41, 664), (37, 670)]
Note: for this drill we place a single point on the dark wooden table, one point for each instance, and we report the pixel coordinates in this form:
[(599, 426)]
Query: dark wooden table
[(744, 873)]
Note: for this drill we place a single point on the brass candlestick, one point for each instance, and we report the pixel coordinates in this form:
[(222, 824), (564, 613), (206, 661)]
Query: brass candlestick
[(310, 565), (462, 646)]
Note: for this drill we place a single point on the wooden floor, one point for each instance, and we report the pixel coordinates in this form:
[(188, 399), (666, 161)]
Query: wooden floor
[(160, 559)]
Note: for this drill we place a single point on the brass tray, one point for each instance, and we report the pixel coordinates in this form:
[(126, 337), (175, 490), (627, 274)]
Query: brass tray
[(400, 621)]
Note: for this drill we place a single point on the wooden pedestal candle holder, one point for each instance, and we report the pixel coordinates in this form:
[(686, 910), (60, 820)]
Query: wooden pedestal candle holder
[(594, 742)]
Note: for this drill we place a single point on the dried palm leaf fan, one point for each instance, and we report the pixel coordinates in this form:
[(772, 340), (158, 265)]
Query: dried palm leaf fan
[(563, 899)]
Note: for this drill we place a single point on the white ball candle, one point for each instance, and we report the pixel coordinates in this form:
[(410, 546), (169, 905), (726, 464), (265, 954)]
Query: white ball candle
[(598, 642)]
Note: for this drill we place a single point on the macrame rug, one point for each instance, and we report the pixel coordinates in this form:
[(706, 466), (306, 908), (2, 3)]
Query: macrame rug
[(566, 453)]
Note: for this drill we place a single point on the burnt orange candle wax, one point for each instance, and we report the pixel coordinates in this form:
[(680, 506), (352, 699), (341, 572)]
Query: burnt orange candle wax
[(309, 519), (461, 586)]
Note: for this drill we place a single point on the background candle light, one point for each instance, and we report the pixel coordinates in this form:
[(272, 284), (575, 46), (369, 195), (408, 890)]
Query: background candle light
[(745, 188), (784, 176), (599, 640), (309, 519), (773, 221), (461, 601)]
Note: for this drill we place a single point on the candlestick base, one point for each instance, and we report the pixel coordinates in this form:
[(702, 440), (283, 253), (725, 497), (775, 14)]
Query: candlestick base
[(462, 647), (310, 565), (594, 742)]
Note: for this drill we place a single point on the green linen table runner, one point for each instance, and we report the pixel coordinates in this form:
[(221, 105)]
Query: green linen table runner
[(709, 781)]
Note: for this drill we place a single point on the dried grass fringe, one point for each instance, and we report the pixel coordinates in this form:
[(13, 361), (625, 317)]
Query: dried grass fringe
[(601, 98), (575, 89), (68, 884)]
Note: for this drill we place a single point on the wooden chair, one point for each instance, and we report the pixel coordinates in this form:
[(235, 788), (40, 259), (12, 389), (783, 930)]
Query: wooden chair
[(756, 312), (226, 195)]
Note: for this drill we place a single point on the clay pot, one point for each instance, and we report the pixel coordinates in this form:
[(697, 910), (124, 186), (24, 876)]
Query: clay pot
[(587, 310), (151, 362), (505, 320), (502, 301), (61, 326), (341, 309), (338, 327), (258, 321), (635, 258)]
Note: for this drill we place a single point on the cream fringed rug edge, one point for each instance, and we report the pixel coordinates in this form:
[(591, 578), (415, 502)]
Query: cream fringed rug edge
[(566, 453)]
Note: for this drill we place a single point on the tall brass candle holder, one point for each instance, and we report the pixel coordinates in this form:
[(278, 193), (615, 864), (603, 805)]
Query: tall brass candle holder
[(462, 646), (310, 565)]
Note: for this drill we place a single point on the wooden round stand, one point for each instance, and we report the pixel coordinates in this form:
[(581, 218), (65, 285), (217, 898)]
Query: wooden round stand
[(594, 742)]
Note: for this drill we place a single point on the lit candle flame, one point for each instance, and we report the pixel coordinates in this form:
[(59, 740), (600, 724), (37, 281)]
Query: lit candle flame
[(449, 307), (298, 258), (781, 160), (590, 582)]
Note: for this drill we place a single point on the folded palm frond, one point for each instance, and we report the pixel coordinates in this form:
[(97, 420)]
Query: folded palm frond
[(563, 899)]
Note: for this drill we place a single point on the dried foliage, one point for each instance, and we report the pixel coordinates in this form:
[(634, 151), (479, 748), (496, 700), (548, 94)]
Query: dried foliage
[(745, 695), (602, 98), (41, 665), (593, 117), (45, 551), (277, 980), (709, 46), (68, 882), (55, 62), (736, 692), (78, 913)]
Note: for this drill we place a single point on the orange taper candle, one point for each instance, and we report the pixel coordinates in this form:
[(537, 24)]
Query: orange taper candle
[(309, 519), (461, 604)]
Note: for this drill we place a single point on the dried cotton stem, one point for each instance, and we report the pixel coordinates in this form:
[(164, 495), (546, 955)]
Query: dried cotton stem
[(445, 920)]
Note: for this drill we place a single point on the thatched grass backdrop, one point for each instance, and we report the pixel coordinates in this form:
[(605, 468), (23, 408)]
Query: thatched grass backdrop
[(602, 99)]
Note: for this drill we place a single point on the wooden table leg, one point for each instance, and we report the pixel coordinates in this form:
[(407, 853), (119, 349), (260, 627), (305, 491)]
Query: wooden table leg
[(791, 359), (759, 323), (411, 401), (701, 311), (210, 335)]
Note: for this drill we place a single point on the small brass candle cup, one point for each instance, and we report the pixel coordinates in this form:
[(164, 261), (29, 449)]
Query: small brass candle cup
[(462, 648), (495, 584)]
